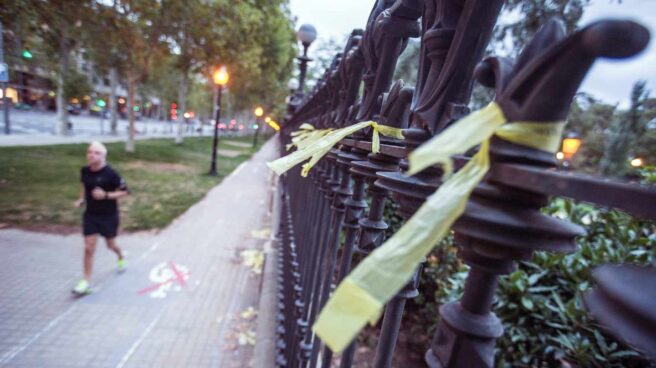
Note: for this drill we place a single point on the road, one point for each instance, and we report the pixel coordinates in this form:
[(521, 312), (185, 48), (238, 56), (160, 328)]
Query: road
[(29, 128)]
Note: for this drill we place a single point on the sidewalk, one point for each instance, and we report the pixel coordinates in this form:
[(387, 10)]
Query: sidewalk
[(181, 302)]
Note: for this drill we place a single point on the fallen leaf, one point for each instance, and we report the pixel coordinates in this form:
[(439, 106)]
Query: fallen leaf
[(261, 234), (247, 338), (253, 259), (249, 313)]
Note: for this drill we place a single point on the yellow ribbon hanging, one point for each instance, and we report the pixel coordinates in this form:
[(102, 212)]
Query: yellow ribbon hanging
[(308, 138), (303, 128), (361, 296), (305, 135), (320, 146)]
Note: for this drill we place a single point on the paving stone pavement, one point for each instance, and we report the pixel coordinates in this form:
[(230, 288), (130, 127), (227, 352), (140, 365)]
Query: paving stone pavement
[(121, 324)]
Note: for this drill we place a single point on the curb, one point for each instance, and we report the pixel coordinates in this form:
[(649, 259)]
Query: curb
[(264, 353)]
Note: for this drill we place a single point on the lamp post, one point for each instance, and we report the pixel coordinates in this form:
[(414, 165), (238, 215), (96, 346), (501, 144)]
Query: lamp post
[(637, 162), (220, 79), (258, 114), (4, 79), (570, 146), (306, 34)]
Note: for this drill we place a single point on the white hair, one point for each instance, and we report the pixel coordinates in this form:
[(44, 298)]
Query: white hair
[(99, 146)]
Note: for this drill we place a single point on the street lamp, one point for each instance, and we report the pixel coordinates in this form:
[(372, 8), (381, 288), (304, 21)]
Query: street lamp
[(306, 35), (259, 111), (636, 162), (569, 148), (571, 145), (221, 78), (273, 125)]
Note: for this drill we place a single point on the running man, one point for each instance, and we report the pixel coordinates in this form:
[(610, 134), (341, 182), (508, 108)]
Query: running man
[(101, 187)]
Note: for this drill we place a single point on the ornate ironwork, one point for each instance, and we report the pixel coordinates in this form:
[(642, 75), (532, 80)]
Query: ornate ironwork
[(326, 219)]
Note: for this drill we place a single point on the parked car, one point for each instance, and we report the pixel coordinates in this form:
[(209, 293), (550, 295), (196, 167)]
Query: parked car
[(74, 109), (23, 106)]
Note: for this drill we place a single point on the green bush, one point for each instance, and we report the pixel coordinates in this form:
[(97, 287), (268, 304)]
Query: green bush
[(540, 303)]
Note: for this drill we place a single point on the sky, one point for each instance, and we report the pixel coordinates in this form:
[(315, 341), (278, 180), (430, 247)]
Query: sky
[(608, 80)]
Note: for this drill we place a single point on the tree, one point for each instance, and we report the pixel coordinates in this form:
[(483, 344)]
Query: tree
[(259, 53), (624, 134), (105, 48), (406, 68), (140, 41), (139, 26), (253, 39), (589, 118), (58, 25), (323, 52), (529, 16), (190, 34), (162, 82), (76, 85)]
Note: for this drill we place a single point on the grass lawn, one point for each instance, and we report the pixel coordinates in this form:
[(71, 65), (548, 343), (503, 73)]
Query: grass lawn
[(39, 184)]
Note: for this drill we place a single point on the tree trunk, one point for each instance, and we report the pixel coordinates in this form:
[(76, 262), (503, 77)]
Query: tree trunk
[(113, 105), (129, 144), (62, 114), (182, 105)]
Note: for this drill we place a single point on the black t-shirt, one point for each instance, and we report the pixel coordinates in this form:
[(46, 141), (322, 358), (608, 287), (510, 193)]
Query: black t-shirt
[(108, 180)]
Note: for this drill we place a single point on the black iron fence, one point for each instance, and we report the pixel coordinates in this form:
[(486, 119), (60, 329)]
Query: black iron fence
[(337, 211)]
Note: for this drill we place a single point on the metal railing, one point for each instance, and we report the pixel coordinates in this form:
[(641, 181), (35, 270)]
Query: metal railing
[(340, 205)]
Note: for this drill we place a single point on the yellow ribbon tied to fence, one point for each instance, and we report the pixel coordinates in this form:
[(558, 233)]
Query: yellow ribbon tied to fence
[(305, 136), (318, 147), (360, 297)]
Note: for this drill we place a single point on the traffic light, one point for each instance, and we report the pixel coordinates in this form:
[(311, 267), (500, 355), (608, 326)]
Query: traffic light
[(27, 54), (101, 103), (174, 111)]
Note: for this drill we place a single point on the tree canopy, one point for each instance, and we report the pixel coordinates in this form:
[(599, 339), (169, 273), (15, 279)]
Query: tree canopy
[(146, 40)]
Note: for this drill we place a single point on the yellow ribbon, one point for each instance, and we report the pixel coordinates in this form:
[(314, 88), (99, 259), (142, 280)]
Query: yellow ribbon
[(317, 148), (361, 296), (305, 136), (303, 128), (308, 138)]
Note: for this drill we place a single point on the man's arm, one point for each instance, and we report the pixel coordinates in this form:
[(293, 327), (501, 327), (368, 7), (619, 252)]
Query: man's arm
[(100, 194), (80, 199), (120, 192), (117, 194)]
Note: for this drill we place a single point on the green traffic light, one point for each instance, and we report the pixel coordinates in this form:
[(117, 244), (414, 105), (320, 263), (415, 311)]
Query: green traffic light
[(254, 126), (101, 103), (27, 54)]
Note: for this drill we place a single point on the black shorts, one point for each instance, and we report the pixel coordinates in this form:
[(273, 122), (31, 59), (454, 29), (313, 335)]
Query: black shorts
[(105, 225)]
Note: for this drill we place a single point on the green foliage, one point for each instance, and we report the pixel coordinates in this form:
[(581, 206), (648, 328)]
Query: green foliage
[(152, 43), (408, 63), (323, 52), (625, 132), (589, 118), (76, 84), (540, 304), (200, 99), (529, 15), (647, 174)]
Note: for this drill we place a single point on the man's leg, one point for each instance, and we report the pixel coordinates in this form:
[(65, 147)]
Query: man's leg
[(89, 249), (111, 244)]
